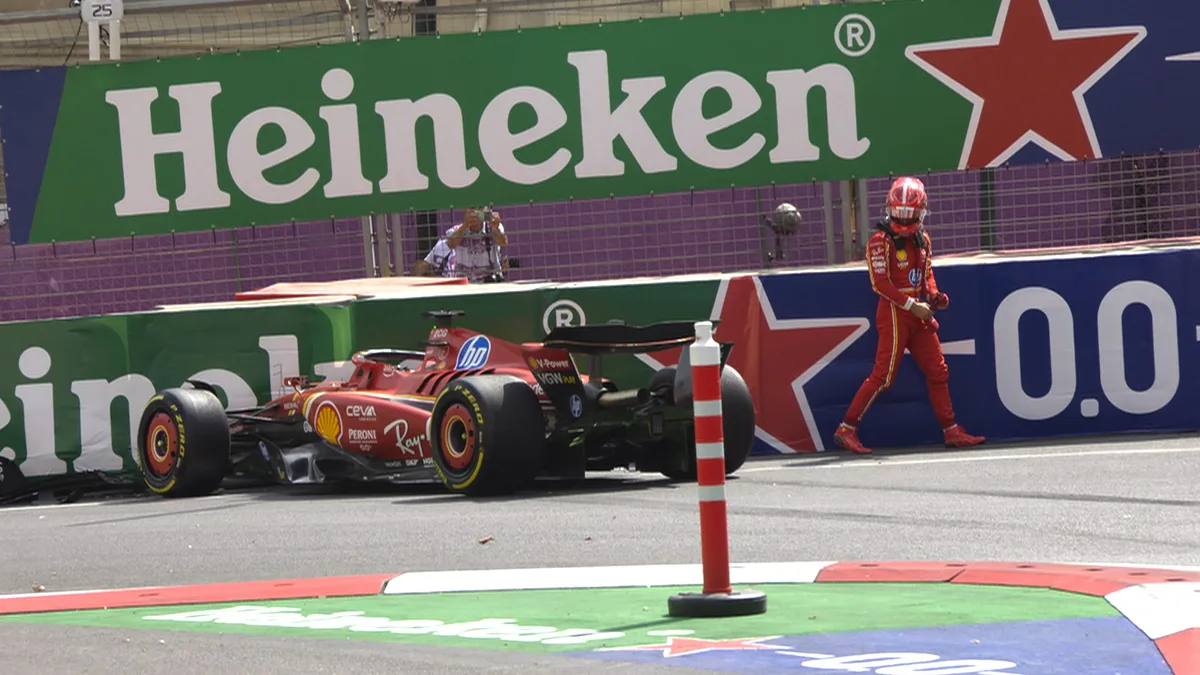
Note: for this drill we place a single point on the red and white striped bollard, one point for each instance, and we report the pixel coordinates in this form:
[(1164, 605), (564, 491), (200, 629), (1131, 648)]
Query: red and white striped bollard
[(718, 597)]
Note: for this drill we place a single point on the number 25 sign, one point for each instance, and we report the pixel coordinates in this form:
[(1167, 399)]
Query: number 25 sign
[(102, 11)]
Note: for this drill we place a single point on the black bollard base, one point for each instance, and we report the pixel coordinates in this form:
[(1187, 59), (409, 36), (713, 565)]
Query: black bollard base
[(736, 603)]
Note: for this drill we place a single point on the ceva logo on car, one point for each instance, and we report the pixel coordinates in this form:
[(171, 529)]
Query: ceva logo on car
[(474, 353)]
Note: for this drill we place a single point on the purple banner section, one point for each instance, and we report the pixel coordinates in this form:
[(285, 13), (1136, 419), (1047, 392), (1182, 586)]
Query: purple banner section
[(1012, 208)]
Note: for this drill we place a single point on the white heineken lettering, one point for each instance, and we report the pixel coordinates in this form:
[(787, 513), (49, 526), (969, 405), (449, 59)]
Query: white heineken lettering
[(247, 165), (692, 128), (602, 124), (498, 144), (5, 418), (95, 417), (400, 143), (345, 148), (37, 402), (140, 145), (484, 629), (283, 360), (792, 89)]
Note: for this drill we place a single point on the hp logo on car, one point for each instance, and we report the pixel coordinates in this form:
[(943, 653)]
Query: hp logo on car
[(474, 353), (576, 405)]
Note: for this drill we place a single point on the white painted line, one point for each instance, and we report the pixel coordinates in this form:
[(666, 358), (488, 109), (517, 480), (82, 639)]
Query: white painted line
[(710, 450), (881, 462), (1159, 609), (710, 493), (86, 592), (1194, 56), (41, 507), (626, 576), (1173, 568), (119, 501)]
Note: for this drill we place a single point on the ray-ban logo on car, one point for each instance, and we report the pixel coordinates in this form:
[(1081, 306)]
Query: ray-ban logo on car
[(474, 353)]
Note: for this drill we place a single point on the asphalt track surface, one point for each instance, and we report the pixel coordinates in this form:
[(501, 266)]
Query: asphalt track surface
[(1125, 500)]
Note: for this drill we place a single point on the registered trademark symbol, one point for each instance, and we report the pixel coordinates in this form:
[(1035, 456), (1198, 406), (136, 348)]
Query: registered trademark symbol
[(854, 35), (563, 313)]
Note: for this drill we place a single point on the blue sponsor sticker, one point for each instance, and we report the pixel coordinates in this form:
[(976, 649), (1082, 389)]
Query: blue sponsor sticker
[(474, 353), (914, 276), (576, 405)]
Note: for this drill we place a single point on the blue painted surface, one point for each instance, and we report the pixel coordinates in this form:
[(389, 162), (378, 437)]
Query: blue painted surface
[(1093, 646)]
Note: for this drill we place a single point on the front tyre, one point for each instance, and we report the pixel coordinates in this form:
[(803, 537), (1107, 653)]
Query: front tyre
[(488, 435), (183, 443)]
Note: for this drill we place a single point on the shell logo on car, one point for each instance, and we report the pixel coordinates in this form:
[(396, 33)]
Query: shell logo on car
[(329, 422)]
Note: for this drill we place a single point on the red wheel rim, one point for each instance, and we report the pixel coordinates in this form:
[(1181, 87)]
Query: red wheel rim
[(162, 445), (458, 437)]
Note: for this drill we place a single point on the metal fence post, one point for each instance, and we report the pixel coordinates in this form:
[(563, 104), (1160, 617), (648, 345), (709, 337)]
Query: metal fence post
[(862, 211), (370, 262), (846, 203), (830, 228)]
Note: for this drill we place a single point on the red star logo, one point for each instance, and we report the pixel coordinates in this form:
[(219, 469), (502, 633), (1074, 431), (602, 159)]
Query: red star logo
[(682, 646), (776, 357), (1027, 82)]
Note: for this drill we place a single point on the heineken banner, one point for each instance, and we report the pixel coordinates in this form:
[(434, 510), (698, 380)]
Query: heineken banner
[(671, 104)]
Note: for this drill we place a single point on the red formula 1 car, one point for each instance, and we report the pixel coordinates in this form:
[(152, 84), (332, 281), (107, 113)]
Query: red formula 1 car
[(482, 415)]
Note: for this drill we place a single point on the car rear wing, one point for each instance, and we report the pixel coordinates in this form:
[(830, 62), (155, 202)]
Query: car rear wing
[(618, 338)]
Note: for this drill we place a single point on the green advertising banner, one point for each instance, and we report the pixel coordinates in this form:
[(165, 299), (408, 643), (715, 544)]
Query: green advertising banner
[(67, 395), (246, 352), (506, 313), (741, 98)]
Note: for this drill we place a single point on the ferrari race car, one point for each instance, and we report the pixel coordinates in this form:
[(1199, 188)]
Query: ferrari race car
[(482, 415)]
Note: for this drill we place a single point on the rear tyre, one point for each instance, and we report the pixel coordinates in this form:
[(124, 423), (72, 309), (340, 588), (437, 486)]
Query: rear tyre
[(488, 435), (183, 443), (737, 421)]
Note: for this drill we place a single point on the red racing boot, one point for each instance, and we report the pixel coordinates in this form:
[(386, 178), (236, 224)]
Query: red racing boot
[(847, 437), (957, 438)]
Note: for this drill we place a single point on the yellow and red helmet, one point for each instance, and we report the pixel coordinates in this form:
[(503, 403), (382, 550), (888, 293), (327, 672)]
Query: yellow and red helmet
[(907, 205)]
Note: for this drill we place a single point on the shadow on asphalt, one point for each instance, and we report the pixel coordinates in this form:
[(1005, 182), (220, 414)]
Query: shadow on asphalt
[(433, 492), (835, 455)]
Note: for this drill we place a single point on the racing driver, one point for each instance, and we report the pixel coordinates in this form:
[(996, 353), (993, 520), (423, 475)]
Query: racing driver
[(900, 261)]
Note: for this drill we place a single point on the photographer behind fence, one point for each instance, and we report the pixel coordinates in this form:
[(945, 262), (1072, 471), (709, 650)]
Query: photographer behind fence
[(471, 249)]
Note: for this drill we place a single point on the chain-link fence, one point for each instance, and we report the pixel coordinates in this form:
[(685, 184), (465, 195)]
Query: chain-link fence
[(1006, 209), (1010, 209), (164, 28)]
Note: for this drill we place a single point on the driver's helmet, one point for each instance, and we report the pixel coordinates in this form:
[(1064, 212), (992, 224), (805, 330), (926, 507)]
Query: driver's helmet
[(907, 205)]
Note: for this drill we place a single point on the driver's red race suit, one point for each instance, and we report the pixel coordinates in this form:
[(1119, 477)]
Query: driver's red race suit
[(901, 270)]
